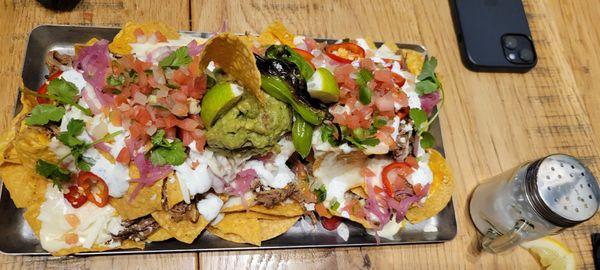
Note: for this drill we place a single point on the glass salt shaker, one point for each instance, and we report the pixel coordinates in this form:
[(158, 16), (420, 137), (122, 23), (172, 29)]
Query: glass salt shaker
[(533, 200)]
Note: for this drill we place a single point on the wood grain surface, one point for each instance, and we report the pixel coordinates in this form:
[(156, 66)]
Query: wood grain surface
[(491, 122)]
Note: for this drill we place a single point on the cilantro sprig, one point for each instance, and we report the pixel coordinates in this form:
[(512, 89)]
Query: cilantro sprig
[(165, 152), (428, 81), (358, 137), (44, 113), (421, 125), (78, 147), (63, 92), (176, 59), (321, 193)]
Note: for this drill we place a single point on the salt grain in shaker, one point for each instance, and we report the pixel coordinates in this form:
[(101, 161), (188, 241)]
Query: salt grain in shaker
[(533, 200)]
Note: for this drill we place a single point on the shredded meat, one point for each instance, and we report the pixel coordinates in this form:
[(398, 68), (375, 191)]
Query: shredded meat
[(403, 142), (183, 211), (270, 198), (137, 229), (54, 60)]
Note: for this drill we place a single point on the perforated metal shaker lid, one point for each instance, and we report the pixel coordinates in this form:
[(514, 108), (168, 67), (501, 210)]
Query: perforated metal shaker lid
[(562, 190)]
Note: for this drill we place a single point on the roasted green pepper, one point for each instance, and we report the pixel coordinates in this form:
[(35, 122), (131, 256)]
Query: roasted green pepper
[(286, 53), (280, 90), (302, 133)]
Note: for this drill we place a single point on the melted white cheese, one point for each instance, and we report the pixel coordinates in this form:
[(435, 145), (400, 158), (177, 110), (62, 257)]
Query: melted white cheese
[(390, 229), (276, 173), (156, 51), (210, 206), (95, 224)]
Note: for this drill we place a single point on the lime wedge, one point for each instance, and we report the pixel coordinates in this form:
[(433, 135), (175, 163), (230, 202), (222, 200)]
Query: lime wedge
[(322, 86), (218, 100)]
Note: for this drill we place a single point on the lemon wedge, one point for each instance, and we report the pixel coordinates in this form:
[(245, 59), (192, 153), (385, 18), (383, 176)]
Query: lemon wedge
[(551, 254), (322, 86)]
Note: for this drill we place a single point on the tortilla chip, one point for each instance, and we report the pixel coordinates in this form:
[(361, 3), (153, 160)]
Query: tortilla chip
[(285, 210), (160, 235), (231, 54), (25, 186), (440, 192), (281, 33), (31, 144), (127, 244), (174, 195), (6, 139), (414, 61), (272, 228), (120, 44), (31, 216), (360, 191), (78, 46), (184, 231), (146, 201), (238, 227)]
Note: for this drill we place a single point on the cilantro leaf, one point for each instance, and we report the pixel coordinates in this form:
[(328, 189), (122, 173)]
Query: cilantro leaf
[(69, 137), (53, 172), (115, 81), (428, 70), (327, 135), (379, 122), (426, 87), (44, 113), (364, 76), (62, 91), (370, 141), (166, 152), (419, 117), (321, 193), (65, 93), (427, 140), (176, 59)]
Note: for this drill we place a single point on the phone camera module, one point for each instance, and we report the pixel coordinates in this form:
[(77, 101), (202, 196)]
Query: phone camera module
[(518, 49)]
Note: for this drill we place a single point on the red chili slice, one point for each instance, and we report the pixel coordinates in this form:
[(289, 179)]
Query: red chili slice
[(331, 223), (354, 52), (403, 169), (75, 197), (94, 187)]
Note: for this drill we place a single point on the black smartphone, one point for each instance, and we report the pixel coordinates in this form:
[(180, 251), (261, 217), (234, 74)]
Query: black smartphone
[(493, 35)]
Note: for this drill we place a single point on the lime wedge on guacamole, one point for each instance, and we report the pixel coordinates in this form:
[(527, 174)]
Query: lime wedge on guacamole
[(218, 100), (322, 86)]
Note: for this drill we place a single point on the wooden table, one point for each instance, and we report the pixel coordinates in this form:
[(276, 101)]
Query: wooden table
[(490, 122)]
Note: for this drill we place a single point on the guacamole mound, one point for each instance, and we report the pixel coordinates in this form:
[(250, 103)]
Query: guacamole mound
[(250, 129)]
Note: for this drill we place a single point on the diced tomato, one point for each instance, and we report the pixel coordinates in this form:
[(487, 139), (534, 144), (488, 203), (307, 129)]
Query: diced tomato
[(180, 109), (171, 133), (331, 223), (179, 77), (137, 130), (115, 118), (71, 238), (142, 115), (124, 156), (366, 172), (367, 63), (200, 144), (186, 137), (188, 124), (138, 32), (418, 189), (73, 220), (311, 44)]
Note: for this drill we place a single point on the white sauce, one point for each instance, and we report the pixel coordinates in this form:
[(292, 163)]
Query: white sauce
[(389, 230), (423, 175), (275, 174), (157, 51), (196, 180), (115, 175), (210, 206), (95, 224)]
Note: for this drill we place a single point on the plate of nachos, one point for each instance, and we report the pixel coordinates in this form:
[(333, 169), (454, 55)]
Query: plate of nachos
[(148, 139)]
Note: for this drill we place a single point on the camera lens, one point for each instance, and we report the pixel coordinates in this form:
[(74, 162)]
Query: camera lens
[(526, 55), (510, 42)]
